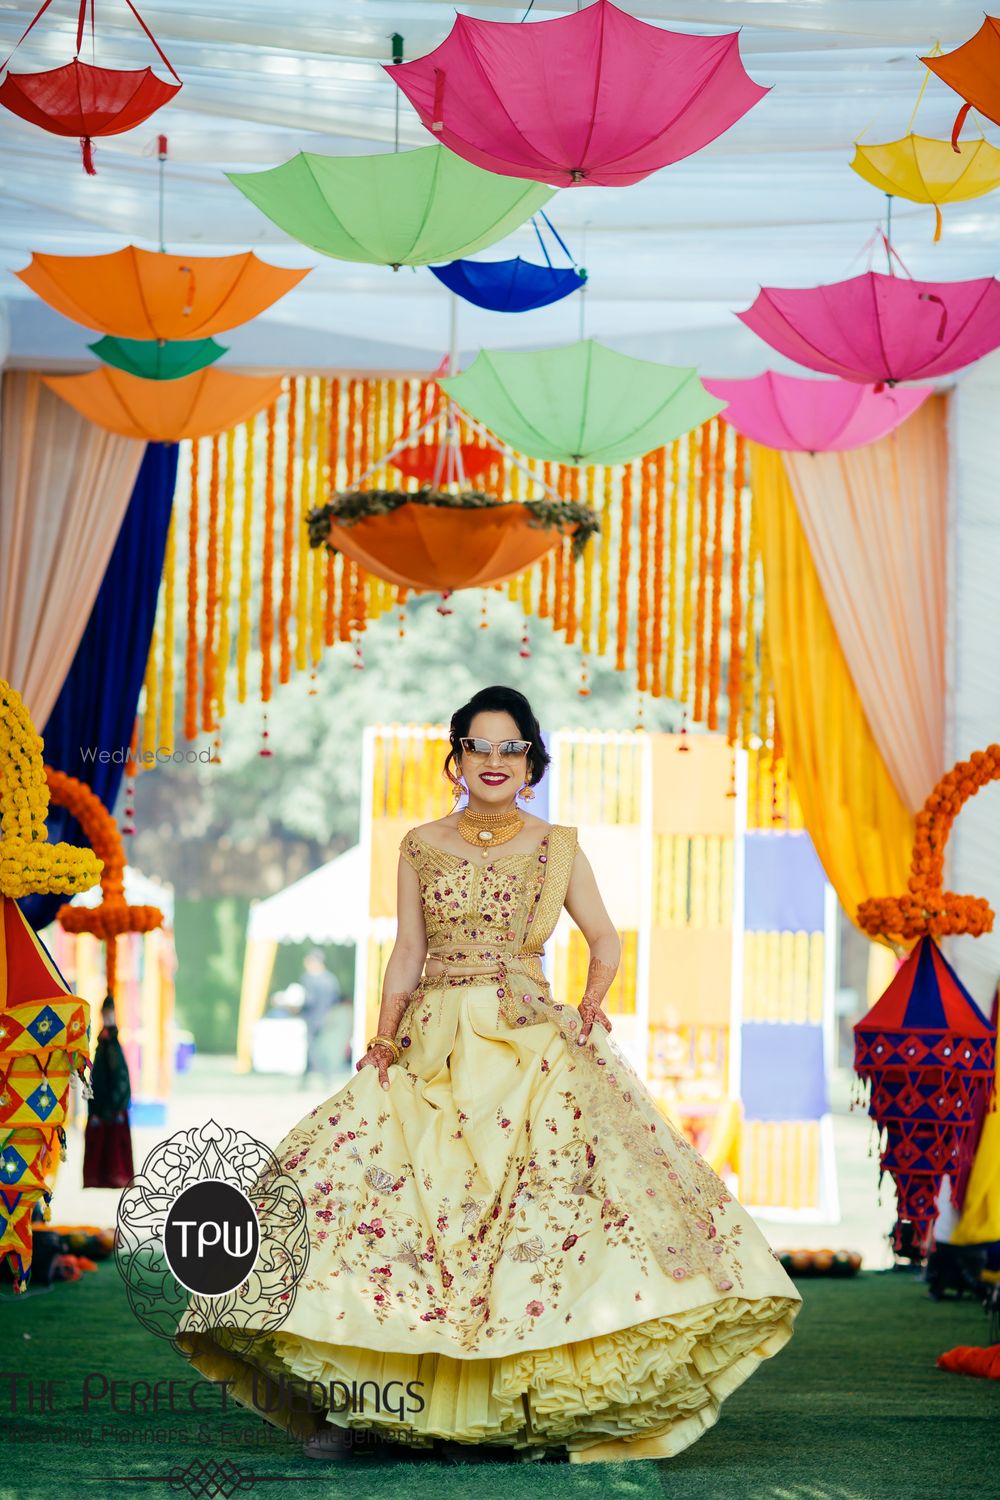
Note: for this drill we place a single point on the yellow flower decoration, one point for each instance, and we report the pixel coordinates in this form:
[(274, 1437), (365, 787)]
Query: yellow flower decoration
[(28, 862)]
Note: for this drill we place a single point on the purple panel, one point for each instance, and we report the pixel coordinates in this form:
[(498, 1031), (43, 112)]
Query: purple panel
[(785, 885), (540, 803), (782, 1073)]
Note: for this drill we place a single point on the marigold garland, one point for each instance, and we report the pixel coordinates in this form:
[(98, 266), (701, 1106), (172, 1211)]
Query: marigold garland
[(211, 594), (28, 862), (686, 606), (289, 536), (166, 732), (704, 483), (624, 562), (246, 552), (226, 586), (659, 477), (716, 629), (306, 502), (191, 656), (925, 908), (675, 486), (267, 568), (114, 915), (736, 593)]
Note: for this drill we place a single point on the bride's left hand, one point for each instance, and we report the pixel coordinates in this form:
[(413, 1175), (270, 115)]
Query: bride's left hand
[(590, 1011)]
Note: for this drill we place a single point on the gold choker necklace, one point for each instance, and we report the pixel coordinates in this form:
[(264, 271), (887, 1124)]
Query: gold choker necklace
[(487, 829)]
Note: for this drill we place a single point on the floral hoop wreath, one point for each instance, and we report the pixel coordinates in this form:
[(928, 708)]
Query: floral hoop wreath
[(925, 908), (28, 862), (113, 915)]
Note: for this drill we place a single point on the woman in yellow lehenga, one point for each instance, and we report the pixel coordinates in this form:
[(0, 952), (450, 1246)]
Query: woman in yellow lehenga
[(500, 1218)]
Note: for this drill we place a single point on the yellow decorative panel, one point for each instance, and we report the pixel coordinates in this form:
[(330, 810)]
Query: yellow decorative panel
[(692, 881), (600, 779), (692, 786), (690, 977), (572, 960), (780, 1164), (783, 976)]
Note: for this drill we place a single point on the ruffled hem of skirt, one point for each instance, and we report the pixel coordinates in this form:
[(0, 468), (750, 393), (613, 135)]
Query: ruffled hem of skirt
[(647, 1391)]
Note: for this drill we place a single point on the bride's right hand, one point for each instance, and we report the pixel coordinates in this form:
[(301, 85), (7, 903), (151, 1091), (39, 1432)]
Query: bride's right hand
[(377, 1057)]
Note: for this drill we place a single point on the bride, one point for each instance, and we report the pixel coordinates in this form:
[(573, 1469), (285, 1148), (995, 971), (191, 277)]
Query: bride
[(501, 1221)]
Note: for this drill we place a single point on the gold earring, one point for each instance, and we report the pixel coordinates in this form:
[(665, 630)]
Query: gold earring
[(456, 790), (526, 793)]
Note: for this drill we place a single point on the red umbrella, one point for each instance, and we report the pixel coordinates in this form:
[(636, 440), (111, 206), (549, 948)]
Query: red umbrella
[(593, 97), (879, 329), (928, 1052), (81, 99)]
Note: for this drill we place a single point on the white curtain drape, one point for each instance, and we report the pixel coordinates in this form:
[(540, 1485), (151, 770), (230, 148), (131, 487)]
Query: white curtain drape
[(876, 522), (64, 488)]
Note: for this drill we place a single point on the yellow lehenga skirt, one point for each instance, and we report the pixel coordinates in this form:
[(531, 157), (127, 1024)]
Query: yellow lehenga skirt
[(514, 1234)]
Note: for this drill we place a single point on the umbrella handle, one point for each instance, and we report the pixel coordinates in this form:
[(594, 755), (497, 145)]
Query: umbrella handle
[(437, 123), (956, 129), (933, 297)]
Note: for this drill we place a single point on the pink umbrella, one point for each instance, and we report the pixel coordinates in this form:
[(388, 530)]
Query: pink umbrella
[(877, 329), (593, 97), (801, 415)]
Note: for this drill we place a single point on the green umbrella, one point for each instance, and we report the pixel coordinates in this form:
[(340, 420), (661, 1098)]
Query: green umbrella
[(153, 359), (410, 208), (581, 404)]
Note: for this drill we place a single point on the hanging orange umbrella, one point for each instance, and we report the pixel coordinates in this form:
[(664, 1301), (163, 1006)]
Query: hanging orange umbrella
[(439, 542), (159, 411), (973, 70), (929, 171), (146, 294)]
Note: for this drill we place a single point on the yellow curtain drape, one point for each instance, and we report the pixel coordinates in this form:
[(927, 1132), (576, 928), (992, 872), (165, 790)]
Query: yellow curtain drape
[(862, 831), (980, 1221)]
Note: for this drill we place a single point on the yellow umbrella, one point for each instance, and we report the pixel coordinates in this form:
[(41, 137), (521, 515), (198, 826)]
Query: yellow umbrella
[(929, 171)]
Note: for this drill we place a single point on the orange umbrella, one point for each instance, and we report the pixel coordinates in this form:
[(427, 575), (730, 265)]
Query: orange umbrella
[(165, 411), (973, 70), (147, 294), (433, 548)]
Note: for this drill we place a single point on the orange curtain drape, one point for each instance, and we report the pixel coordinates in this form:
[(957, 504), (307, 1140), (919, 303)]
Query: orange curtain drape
[(64, 489), (875, 520), (862, 830)]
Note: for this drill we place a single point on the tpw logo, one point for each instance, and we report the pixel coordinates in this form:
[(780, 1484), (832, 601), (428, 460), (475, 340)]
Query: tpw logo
[(211, 1238)]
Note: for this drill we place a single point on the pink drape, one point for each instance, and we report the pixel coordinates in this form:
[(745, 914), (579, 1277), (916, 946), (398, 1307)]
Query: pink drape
[(64, 488), (875, 519)]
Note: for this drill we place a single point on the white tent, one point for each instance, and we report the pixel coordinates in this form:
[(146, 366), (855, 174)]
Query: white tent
[(329, 905), (326, 906)]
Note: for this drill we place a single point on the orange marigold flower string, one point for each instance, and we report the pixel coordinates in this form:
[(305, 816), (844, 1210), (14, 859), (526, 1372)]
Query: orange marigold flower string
[(226, 586), (306, 486), (686, 602), (605, 569), (714, 655), (289, 534), (704, 487), (329, 558), (659, 459), (642, 628), (267, 562), (166, 734), (736, 593), (670, 683), (211, 593), (246, 556)]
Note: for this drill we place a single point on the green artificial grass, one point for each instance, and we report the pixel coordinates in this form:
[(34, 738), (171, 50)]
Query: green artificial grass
[(852, 1409)]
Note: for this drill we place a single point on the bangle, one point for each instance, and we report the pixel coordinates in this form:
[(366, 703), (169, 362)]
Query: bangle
[(385, 1041)]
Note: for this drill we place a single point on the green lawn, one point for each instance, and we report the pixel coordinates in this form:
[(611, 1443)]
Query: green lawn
[(852, 1409)]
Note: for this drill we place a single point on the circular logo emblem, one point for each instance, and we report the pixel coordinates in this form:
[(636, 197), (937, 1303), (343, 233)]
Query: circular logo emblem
[(211, 1238)]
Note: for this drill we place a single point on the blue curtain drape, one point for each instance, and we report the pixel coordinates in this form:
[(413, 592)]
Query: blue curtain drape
[(95, 710)]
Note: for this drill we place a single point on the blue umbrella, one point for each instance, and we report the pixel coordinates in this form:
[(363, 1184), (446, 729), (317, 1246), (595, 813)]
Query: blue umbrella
[(513, 286)]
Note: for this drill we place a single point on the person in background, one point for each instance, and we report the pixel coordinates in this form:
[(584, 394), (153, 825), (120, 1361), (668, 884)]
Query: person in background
[(322, 994), (107, 1150)]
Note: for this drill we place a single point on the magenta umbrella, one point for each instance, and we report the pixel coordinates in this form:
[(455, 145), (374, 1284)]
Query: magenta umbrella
[(877, 329), (593, 97), (800, 415)]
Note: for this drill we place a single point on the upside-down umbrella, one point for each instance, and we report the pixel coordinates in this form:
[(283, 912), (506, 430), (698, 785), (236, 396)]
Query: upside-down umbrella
[(83, 100), (516, 285), (155, 359), (146, 294), (924, 170), (797, 414), (408, 208), (593, 97), (879, 329), (166, 411), (582, 403), (928, 1052), (973, 71)]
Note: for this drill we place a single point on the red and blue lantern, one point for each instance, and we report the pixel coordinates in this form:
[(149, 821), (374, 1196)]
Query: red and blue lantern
[(928, 1053)]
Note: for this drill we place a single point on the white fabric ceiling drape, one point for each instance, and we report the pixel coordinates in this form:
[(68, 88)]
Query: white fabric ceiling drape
[(64, 488)]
